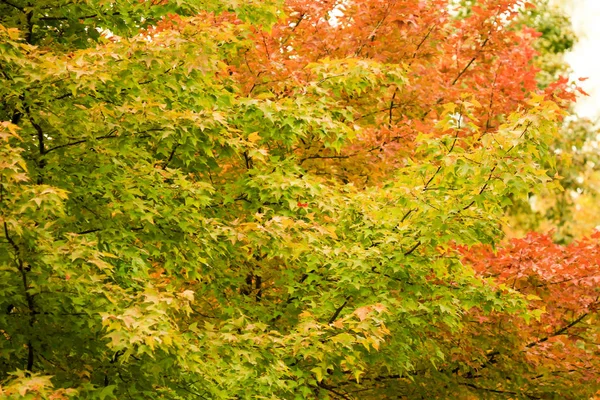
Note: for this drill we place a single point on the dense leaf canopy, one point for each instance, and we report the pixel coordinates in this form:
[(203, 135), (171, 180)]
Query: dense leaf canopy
[(246, 199)]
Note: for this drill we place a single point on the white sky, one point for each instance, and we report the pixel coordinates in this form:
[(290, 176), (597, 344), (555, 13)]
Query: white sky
[(585, 58)]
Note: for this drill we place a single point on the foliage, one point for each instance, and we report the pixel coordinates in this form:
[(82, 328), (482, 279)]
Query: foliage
[(235, 200), (562, 283), (556, 38), (570, 213)]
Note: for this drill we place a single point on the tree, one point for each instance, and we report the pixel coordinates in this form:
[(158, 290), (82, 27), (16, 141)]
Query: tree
[(569, 212), (226, 200), (561, 351)]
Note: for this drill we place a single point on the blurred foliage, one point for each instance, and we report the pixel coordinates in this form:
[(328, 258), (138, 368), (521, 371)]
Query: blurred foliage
[(557, 38), (572, 212)]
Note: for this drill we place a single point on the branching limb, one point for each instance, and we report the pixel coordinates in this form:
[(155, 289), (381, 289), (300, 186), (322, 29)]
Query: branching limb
[(559, 331)]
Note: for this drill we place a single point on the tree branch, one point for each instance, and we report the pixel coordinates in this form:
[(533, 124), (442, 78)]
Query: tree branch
[(317, 156), (28, 296), (461, 73), (412, 249), (67, 19), (374, 32), (338, 311), (392, 107), (170, 157), (110, 135), (504, 392), (487, 182), (22, 9), (302, 15), (41, 148), (559, 331), (421, 43), (333, 390)]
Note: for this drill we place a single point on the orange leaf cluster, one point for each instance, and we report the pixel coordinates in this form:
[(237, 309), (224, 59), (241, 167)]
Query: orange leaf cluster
[(481, 58), (562, 285)]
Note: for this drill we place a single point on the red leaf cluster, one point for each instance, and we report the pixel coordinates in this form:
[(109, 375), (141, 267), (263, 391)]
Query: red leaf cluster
[(446, 59), (563, 281)]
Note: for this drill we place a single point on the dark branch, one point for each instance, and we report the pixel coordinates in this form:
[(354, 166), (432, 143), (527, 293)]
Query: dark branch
[(89, 231), (487, 182), (373, 33), (66, 18), (504, 392), (392, 106), (110, 135), (559, 331), (170, 157), (421, 43), (461, 73), (338, 311), (293, 29), (412, 249), (407, 214), (13, 5), (28, 296), (317, 156), (333, 390)]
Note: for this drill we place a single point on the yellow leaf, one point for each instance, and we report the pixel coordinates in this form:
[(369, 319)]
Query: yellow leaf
[(375, 344), (254, 137), (331, 230), (318, 373), (357, 375), (476, 103), (149, 340), (250, 226), (449, 107)]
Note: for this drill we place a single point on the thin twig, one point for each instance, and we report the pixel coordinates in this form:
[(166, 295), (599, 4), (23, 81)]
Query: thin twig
[(461, 73)]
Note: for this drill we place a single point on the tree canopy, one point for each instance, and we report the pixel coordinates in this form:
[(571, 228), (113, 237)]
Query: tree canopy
[(282, 200)]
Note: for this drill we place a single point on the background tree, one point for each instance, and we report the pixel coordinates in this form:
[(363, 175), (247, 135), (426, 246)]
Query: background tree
[(570, 213)]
